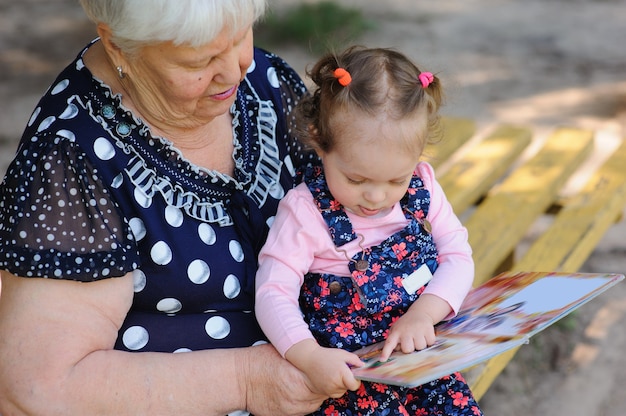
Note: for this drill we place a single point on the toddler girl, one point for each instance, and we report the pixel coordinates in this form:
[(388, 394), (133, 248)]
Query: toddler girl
[(367, 248)]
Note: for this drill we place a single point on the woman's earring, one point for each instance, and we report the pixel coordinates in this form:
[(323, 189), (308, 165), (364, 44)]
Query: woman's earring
[(120, 72)]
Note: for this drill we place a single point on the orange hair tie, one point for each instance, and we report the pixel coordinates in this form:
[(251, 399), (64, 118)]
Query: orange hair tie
[(343, 76)]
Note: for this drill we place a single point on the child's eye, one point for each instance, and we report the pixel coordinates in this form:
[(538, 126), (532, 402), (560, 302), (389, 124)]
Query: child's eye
[(401, 182), (355, 182)]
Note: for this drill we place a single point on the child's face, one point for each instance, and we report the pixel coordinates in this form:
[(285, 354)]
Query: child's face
[(369, 170)]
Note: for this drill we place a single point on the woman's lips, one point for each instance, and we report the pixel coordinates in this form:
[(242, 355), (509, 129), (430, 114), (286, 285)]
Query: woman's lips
[(226, 94)]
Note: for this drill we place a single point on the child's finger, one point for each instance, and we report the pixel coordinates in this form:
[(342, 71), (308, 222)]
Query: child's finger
[(354, 361), (350, 382), (388, 348)]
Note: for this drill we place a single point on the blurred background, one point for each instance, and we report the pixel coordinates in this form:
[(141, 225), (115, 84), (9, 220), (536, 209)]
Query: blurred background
[(538, 63)]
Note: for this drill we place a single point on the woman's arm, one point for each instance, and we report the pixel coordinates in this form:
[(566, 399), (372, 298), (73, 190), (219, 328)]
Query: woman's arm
[(56, 358)]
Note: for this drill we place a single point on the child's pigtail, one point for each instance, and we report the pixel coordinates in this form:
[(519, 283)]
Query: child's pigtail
[(426, 78), (343, 76)]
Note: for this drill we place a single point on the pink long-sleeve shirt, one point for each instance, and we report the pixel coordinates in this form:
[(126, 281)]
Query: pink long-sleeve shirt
[(299, 242)]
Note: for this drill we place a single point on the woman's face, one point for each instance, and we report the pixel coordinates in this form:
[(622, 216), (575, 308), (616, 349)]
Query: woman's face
[(183, 86)]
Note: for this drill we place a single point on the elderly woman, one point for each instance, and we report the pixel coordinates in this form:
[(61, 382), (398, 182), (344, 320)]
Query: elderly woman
[(132, 214)]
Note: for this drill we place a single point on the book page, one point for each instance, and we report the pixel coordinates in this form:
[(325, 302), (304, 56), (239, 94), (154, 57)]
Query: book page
[(514, 310), (500, 314)]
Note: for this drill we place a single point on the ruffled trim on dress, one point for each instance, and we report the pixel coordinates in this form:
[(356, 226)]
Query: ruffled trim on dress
[(215, 187)]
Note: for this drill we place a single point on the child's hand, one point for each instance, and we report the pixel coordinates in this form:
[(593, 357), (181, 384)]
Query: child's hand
[(328, 369), (415, 330)]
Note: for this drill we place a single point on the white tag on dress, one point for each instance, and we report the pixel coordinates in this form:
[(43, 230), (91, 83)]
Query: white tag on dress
[(417, 279)]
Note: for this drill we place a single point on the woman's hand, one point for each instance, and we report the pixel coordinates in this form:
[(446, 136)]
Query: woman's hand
[(275, 387)]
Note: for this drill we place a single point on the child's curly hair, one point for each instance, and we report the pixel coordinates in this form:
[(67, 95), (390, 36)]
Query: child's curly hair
[(383, 80)]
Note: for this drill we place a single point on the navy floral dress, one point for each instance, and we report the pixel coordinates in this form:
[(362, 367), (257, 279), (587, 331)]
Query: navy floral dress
[(92, 194), (350, 312)]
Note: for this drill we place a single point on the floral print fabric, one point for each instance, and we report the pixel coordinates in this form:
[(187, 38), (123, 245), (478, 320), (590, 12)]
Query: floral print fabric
[(350, 312)]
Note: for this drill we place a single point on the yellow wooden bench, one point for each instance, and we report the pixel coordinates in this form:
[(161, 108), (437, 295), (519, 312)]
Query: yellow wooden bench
[(500, 185)]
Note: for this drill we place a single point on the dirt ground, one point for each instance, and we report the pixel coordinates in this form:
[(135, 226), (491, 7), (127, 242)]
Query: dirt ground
[(540, 63)]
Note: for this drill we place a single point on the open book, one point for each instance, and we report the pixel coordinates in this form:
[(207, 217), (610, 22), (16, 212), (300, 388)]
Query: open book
[(502, 313)]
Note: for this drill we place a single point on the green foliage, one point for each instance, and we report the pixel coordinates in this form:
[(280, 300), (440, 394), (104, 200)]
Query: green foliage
[(317, 27), (569, 322)]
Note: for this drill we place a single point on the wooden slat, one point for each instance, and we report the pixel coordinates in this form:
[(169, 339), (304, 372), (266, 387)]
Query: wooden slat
[(456, 132), (504, 217), (568, 242), (481, 376), (582, 222), (483, 165)]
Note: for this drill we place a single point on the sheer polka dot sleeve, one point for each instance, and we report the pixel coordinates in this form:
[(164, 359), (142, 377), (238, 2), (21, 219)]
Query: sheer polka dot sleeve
[(57, 220)]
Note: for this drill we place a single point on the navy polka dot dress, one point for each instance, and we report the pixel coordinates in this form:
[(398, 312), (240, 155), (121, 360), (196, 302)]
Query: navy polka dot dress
[(91, 194)]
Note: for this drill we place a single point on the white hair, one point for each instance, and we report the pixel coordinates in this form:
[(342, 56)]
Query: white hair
[(135, 23)]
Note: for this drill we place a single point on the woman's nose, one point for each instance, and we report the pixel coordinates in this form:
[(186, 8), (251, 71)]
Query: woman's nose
[(234, 64)]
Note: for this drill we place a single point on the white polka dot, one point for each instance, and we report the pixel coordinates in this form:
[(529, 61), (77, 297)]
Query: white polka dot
[(198, 271), (70, 112), (139, 280), (207, 234), (103, 149), (289, 165), (182, 350), (161, 253), (252, 67), (239, 413), (277, 191), (173, 216), (138, 228), (33, 117), (217, 327), (117, 181), (142, 199), (272, 77), (66, 134), (232, 287), (46, 123), (60, 87), (135, 338), (235, 250), (169, 305)]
